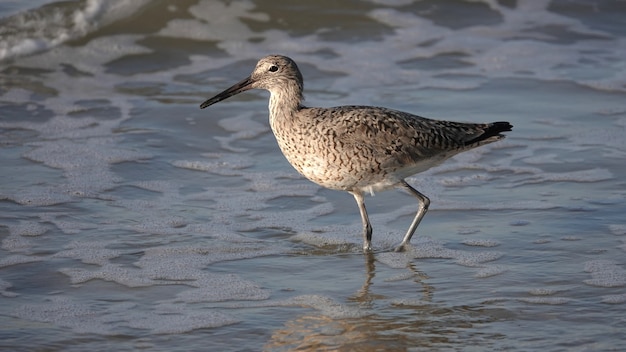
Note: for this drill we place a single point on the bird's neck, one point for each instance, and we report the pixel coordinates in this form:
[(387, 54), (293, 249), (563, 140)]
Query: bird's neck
[(286, 101)]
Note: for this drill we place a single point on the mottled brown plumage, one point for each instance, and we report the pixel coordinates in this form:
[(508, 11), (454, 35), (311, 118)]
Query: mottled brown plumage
[(357, 149)]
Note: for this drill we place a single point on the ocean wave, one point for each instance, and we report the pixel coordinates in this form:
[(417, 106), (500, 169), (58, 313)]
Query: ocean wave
[(50, 25)]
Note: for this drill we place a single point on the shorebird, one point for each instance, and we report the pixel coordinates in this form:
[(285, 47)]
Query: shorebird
[(357, 149)]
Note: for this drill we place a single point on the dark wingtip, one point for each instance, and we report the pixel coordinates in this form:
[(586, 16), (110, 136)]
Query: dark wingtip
[(492, 130), (501, 126)]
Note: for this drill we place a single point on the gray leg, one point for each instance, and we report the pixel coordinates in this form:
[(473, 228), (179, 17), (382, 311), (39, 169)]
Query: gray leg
[(424, 202), (367, 227)]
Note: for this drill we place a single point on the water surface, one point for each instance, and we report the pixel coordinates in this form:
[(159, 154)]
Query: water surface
[(129, 216)]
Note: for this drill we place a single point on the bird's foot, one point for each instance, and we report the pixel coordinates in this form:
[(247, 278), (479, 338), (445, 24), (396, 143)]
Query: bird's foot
[(402, 247)]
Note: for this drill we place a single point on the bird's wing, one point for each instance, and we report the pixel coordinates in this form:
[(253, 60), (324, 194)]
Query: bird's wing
[(395, 138)]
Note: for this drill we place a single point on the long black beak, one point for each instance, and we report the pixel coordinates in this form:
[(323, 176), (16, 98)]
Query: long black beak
[(242, 86)]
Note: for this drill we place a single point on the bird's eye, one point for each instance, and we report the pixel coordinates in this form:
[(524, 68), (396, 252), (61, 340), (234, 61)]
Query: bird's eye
[(273, 68)]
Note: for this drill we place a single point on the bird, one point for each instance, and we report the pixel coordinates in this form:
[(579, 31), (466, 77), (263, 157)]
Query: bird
[(357, 149)]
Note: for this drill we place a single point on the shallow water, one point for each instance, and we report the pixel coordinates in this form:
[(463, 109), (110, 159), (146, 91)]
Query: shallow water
[(131, 217)]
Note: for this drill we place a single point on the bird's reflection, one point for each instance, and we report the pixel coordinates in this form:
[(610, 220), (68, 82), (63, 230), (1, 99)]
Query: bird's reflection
[(392, 321), (365, 297)]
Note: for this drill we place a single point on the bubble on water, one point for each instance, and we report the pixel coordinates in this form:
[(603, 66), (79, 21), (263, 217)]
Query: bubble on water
[(464, 181), (159, 224), (221, 287), (605, 273), (112, 318), (4, 286), (395, 260), (28, 228), (223, 166), (477, 258), (179, 319), (614, 299), (425, 247), (409, 302), (512, 204), (467, 230), (618, 229), (542, 291), (325, 305), (623, 246), (123, 275), (228, 26), (15, 259), (65, 223), (88, 252), (13, 243), (519, 223), (36, 195), (571, 238), (428, 248), (320, 240), (63, 311), (491, 270), (82, 148), (474, 242), (400, 277), (20, 234), (188, 262), (242, 127), (583, 176), (546, 300), (90, 57)]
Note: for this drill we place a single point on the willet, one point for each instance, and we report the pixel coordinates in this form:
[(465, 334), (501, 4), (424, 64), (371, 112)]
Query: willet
[(357, 149)]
